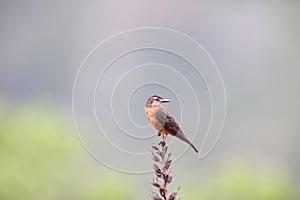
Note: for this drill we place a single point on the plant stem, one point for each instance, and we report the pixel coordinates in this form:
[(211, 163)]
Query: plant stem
[(163, 175)]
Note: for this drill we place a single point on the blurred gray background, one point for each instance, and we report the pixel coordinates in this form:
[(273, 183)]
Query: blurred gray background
[(255, 44)]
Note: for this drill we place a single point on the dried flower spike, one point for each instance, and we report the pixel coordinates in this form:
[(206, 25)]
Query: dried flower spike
[(161, 169)]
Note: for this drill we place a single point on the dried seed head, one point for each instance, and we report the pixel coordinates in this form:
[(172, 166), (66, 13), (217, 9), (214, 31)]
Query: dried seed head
[(162, 143), (161, 168), (166, 149), (156, 184), (154, 147), (160, 153), (168, 164), (155, 157), (169, 178), (162, 192), (157, 171), (172, 196), (156, 196), (169, 156)]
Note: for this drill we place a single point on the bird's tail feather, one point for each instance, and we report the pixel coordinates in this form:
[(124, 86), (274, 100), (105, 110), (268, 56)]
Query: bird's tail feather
[(184, 138), (195, 149)]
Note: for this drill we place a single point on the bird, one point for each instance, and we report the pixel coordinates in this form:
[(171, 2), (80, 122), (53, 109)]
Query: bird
[(163, 121)]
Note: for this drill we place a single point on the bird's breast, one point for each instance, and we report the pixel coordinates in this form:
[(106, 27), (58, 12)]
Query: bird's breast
[(151, 115)]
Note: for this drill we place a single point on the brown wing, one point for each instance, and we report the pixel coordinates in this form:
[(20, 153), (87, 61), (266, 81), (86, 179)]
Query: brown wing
[(167, 121)]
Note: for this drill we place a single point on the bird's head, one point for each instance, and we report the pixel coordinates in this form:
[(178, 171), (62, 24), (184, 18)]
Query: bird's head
[(156, 101)]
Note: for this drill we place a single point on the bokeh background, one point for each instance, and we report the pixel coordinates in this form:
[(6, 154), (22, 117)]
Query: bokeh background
[(256, 45)]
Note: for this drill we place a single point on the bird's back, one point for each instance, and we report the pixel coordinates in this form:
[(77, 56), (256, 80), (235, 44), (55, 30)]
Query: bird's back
[(167, 121)]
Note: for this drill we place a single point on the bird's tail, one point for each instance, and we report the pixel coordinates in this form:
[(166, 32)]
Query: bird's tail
[(195, 149), (184, 138)]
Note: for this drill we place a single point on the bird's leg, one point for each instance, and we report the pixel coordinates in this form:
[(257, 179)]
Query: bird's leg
[(165, 137)]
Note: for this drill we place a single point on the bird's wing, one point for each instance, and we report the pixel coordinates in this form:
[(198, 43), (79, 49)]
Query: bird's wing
[(167, 121)]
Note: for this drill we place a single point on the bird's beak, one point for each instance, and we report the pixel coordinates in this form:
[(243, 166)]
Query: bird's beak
[(165, 100)]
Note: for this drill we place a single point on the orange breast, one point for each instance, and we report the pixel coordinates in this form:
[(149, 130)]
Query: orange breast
[(151, 115), (164, 131)]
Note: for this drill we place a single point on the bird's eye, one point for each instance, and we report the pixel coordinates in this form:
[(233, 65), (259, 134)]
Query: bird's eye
[(155, 100)]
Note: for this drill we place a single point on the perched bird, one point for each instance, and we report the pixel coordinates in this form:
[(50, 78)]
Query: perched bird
[(162, 120)]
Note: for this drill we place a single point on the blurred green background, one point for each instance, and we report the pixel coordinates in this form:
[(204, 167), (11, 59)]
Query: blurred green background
[(256, 44)]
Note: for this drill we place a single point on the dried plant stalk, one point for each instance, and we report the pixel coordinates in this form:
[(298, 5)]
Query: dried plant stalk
[(161, 169)]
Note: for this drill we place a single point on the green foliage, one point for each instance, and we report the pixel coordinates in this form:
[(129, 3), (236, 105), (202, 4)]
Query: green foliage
[(41, 158), (34, 147), (239, 181), (242, 182), (110, 188)]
